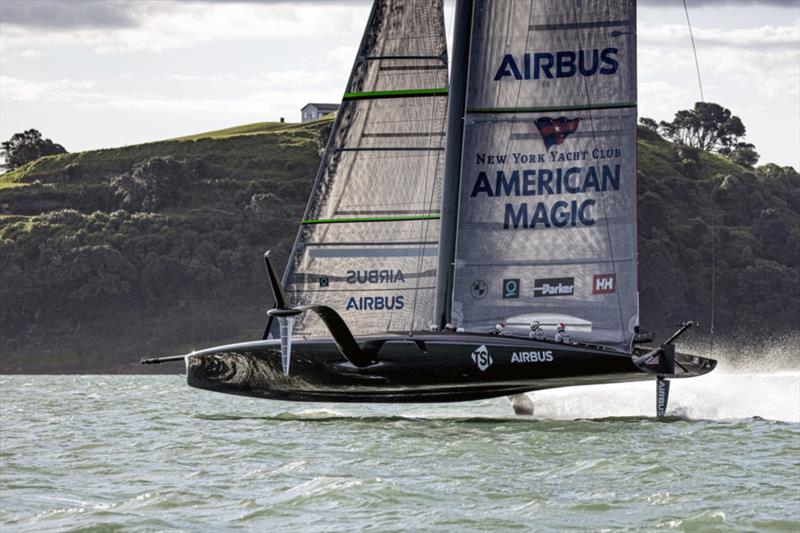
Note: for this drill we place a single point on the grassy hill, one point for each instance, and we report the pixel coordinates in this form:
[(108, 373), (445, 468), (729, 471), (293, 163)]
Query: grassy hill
[(110, 255)]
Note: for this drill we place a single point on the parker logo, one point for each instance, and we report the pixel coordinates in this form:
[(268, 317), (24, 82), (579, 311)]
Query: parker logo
[(482, 358), (604, 283), (553, 287)]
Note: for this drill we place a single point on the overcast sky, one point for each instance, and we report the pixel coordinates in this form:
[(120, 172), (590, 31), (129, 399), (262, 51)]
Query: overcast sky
[(102, 73)]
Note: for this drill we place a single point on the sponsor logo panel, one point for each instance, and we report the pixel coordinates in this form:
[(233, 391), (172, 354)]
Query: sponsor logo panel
[(375, 303), (375, 276), (510, 288), (482, 358), (558, 64), (536, 356), (553, 287), (479, 289), (555, 130), (604, 283)]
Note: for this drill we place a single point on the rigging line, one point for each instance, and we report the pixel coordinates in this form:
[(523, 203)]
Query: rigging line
[(602, 193), (694, 48), (713, 269), (711, 197)]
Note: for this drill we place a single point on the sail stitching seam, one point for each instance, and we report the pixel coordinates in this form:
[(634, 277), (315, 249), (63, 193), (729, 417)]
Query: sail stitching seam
[(602, 193), (370, 219)]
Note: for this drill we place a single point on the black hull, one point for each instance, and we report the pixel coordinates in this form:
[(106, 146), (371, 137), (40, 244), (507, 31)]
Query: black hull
[(420, 368)]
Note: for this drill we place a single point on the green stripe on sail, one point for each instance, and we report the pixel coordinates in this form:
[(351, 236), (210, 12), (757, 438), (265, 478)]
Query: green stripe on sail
[(401, 93), (370, 219), (619, 105)]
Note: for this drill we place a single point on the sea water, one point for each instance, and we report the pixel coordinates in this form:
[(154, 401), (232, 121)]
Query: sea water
[(148, 453)]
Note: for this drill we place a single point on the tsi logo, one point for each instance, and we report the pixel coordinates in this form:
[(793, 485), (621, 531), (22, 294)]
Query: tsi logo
[(604, 283), (482, 358)]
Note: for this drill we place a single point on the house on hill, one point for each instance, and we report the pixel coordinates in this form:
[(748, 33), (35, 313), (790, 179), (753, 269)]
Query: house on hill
[(315, 111)]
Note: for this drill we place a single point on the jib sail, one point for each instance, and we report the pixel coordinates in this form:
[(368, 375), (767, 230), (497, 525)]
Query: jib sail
[(547, 206), (367, 246)]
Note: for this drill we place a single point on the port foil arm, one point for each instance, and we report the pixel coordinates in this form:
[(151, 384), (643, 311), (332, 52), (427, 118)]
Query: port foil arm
[(341, 334)]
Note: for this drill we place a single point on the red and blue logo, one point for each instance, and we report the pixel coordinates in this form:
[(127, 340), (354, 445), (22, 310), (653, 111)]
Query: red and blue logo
[(555, 130)]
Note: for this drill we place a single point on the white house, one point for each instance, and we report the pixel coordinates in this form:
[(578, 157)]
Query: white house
[(315, 111)]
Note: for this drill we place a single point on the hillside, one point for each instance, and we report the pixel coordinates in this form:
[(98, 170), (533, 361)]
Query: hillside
[(110, 255)]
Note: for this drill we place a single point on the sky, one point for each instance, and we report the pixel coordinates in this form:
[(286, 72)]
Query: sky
[(103, 73)]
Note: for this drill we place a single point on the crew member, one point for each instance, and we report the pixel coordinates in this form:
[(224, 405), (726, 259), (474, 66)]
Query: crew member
[(561, 334), (536, 331)]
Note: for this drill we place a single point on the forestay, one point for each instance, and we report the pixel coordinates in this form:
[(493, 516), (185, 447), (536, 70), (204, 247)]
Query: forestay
[(547, 209), (367, 246)]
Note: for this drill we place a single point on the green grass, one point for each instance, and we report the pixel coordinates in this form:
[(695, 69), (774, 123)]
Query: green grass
[(242, 152), (247, 129), (255, 128), (11, 184)]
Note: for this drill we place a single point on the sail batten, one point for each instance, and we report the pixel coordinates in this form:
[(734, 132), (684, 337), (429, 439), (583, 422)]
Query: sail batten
[(397, 93), (373, 219), (552, 109)]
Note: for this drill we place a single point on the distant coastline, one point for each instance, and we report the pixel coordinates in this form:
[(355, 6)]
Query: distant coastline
[(112, 255)]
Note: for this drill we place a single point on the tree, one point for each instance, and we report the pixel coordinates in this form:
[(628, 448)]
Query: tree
[(28, 146), (708, 127), (648, 123), (743, 153), (154, 183)]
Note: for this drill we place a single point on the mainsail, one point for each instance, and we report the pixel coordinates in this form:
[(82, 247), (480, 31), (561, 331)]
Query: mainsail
[(547, 206), (367, 246)]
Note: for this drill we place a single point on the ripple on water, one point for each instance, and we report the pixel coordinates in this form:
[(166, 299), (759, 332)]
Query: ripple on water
[(147, 453)]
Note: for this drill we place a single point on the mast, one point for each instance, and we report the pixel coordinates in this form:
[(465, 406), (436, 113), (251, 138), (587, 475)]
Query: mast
[(452, 163)]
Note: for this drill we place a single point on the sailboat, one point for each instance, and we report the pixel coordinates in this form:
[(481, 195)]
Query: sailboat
[(470, 238)]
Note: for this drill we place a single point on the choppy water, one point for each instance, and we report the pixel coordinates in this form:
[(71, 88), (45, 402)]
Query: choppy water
[(146, 453)]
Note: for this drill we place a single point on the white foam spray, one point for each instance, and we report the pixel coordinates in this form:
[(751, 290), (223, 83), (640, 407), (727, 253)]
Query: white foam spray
[(753, 381)]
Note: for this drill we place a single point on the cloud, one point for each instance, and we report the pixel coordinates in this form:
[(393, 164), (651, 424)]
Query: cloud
[(158, 26), (30, 52), (763, 60), (54, 91), (119, 14), (274, 91), (113, 14), (757, 38), (703, 3), (57, 14)]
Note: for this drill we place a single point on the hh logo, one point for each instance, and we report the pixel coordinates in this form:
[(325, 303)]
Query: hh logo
[(604, 283), (482, 358)]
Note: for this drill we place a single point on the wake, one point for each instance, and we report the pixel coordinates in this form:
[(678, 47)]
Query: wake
[(765, 383)]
